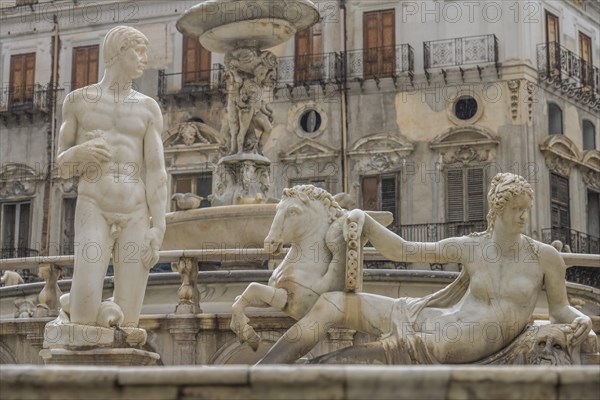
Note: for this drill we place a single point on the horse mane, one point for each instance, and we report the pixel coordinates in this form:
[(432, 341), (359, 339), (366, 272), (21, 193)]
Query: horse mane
[(310, 192)]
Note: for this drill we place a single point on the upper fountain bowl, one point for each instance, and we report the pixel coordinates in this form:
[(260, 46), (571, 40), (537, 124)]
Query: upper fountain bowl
[(223, 25)]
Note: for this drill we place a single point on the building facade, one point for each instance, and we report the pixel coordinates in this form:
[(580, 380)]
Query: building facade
[(409, 106)]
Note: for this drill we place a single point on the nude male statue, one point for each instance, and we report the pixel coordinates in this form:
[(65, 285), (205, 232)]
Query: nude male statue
[(110, 137)]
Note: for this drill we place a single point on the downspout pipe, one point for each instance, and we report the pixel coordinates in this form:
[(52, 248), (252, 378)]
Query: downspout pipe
[(344, 97)]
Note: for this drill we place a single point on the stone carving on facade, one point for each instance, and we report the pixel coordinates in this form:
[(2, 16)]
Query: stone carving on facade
[(465, 145), (560, 154), (406, 326), (530, 88), (590, 168), (117, 209), (308, 218), (306, 150), (513, 86), (192, 134), (69, 185), (380, 152), (18, 180)]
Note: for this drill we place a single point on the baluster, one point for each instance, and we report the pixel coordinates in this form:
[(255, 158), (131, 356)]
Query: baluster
[(189, 298)]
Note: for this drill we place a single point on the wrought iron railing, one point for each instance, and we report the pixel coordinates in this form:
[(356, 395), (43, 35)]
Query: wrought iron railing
[(17, 252), (379, 62), (482, 49), (190, 82), (566, 70), (310, 68), (25, 98), (438, 231), (578, 242)]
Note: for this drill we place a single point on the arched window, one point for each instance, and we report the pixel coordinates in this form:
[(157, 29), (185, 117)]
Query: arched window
[(589, 135), (555, 120)]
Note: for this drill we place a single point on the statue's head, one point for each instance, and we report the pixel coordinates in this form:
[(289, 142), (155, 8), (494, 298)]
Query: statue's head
[(120, 39), (509, 200)]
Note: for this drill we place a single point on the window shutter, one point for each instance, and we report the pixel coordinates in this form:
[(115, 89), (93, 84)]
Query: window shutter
[(388, 42), (389, 196), (29, 76), (24, 226), (9, 218), (372, 42), (204, 188), (370, 193), (196, 62), (559, 201), (476, 194), (455, 209)]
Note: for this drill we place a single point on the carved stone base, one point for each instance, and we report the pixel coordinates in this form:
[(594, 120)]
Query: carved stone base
[(242, 179), (81, 337), (106, 356)]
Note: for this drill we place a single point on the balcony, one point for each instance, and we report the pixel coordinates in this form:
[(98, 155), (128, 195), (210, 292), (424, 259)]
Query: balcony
[(458, 52), (379, 62), (18, 252), (309, 69), (438, 231), (578, 242), (27, 100), (190, 85), (564, 70)]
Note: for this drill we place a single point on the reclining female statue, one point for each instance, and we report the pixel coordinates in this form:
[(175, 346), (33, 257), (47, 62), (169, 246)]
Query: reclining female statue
[(480, 313)]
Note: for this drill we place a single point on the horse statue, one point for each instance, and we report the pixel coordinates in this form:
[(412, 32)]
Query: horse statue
[(311, 221)]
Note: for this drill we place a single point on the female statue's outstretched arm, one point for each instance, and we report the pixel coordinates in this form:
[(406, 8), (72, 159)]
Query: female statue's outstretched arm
[(396, 248)]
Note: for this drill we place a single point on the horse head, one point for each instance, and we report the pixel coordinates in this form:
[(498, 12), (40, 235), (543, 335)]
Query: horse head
[(304, 211)]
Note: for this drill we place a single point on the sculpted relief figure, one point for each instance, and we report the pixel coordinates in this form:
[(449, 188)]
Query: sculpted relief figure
[(110, 134), (476, 316), (249, 71)]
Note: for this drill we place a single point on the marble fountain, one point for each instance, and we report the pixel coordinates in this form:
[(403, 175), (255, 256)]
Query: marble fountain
[(186, 315)]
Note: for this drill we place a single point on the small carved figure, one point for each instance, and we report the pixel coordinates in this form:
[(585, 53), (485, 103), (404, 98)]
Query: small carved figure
[(495, 290), (11, 278), (187, 201)]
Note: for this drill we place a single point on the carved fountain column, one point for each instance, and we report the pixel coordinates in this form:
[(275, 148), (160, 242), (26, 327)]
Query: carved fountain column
[(243, 30)]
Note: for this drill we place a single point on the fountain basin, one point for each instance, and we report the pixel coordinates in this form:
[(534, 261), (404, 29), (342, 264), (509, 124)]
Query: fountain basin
[(223, 25), (239, 226)]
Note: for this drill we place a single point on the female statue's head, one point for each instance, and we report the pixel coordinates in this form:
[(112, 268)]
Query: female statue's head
[(118, 40), (507, 188)]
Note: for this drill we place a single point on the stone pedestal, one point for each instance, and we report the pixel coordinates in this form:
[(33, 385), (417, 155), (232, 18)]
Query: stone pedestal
[(242, 179), (68, 343), (102, 356)]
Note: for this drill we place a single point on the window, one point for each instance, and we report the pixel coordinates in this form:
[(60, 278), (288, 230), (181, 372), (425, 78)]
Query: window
[(465, 108), (559, 206), (67, 240), (555, 121), (22, 79), (15, 224), (379, 44), (310, 121), (589, 135), (553, 43), (382, 193), (593, 214), (200, 184), (196, 62), (585, 53), (309, 55), (465, 195), (85, 66)]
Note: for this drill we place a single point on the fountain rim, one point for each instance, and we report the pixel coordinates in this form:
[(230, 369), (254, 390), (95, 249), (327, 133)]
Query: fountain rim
[(214, 17)]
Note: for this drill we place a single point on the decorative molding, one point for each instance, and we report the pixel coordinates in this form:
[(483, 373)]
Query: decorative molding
[(530, 88), (590, 168), (18, 180), (308, 149), (560, 154), (465, 145), (513, 86), (380, 152), (192, 136)]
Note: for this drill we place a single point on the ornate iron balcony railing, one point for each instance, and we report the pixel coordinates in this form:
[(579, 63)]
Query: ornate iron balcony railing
[(379, 62), (438, 231), (564, 69), (25, 98), (309, 68), (578, 242), (482, 49), (17, 252), (190, 82)]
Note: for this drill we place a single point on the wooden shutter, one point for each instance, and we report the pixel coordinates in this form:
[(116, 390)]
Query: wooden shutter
[(9, 218), (204, 188), (303, 52), (24, 220), (370, 193), (389, 196), (585, 52), (475, 194), (553, 42), (22, 78), (559, 201), (379, 32), (455, 208), (196, 62), (85, 66)]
